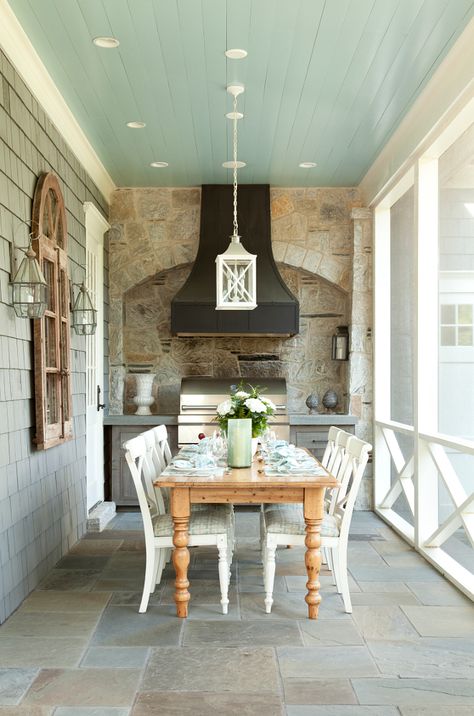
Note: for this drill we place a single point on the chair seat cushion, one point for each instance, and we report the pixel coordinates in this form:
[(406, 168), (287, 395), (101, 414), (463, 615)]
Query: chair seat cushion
[(202, 522), (291, 521), (226, 509)]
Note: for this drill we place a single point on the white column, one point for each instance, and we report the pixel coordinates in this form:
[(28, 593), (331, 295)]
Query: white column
[(426, 345)]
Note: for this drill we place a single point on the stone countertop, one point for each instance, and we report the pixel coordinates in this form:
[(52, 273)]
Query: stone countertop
[(140, 420), (294, 419), (323, 419)]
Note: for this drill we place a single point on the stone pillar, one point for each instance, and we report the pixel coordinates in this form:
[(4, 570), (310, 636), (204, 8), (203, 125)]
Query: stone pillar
[(361, 357)]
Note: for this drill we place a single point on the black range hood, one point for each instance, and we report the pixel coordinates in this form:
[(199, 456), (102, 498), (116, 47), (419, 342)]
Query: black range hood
[(193, 309)]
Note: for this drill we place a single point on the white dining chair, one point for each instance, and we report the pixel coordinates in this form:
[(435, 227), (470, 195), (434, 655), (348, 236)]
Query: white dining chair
[(206, 527), (284, 526)]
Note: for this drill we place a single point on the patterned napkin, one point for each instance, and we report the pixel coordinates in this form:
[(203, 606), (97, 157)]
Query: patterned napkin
[(193, 463)]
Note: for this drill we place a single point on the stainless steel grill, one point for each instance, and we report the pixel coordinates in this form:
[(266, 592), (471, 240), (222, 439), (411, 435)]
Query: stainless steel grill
[(200, 397)]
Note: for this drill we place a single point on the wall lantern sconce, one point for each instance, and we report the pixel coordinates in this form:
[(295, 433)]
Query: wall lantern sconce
[(30, 292), (84, 315), (236, 268), (340, 343)]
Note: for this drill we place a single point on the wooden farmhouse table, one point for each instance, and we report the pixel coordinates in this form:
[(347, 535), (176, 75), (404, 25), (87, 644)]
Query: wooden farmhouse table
[(244, 486)]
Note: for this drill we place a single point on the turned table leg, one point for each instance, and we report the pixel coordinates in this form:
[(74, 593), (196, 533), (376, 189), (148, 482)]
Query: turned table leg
[(180, 510), (313, 515)]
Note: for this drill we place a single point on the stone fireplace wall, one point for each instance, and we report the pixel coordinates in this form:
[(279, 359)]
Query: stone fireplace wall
[(153, 242), (303, 360)]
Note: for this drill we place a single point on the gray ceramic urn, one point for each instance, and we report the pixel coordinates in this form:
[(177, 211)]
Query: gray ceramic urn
[(312, 401), (330, 399)]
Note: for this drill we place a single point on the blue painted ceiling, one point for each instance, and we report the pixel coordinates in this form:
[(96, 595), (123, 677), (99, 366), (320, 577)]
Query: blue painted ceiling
[(326, 81)]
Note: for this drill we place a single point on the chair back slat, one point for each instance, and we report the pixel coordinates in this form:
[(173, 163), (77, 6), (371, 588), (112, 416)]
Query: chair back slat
[(161, 438), (357, 456), (153, 466), (136, 456), (330, 447), (338, 467)]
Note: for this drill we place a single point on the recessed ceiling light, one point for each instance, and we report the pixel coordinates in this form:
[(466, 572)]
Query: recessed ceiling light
[(234, 115), (236, 54), (107, 42), (159, 165), (307, 165), (230, 165), (136, 125)]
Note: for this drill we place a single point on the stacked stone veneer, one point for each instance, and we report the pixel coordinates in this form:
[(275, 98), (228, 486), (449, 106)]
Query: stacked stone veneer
[(42, 493), (303, 360), (323, 252)]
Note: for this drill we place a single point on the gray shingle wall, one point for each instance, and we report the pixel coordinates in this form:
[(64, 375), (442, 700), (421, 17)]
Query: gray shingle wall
[(42, 493)]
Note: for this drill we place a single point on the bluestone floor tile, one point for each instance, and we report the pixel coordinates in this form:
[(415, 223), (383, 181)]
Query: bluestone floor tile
[(381, 587), (212, 663), (410, 692), (92, 711), (84, 687), (325, 662), (385, 573), (440, 594), (384, 622), (207, 668), (41, 652), (97, 547), (124, 626), (436, 710), (427, 658), (50, 624), (199, 703), (51, 601), (26, 710), (442, 621), (342, 711), (242, 633), (81, 580), (383, 598), (330, 632), (291, 606), (83, 561), (202, 592), (318, 691), (14, 683), (115, 657)]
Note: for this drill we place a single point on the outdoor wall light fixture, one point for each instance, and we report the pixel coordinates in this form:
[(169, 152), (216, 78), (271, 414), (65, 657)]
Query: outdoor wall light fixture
[(84, 315), (236, 268), (30, 292), (340, 343)]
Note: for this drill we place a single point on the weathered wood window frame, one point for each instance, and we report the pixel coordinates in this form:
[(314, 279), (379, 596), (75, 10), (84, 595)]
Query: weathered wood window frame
[(52, 350)]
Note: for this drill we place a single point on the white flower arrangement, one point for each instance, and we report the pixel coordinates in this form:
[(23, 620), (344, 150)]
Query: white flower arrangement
[(244, 404)]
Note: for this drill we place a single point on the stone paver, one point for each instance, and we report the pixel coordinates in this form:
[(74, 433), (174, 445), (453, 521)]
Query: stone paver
[(79, 647), (208, 668)]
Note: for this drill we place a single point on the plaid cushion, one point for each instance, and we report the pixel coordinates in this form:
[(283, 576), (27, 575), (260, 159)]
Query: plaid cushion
[(291, 521), (202, 522), (225, 508), (270, 506)]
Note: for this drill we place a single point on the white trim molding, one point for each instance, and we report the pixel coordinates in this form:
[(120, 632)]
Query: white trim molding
[(15, 43), (449, 90), (90, 210)]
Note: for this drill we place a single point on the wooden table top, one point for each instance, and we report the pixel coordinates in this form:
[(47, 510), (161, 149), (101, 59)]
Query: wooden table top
[(248, 477)]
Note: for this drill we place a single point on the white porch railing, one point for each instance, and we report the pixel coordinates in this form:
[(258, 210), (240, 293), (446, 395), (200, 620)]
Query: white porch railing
[(430, 463)]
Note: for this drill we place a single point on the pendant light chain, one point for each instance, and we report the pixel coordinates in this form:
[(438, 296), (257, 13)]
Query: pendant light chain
[(236, 225)]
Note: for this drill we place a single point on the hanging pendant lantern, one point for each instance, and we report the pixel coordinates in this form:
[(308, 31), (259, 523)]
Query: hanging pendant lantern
[(84, 315), (30, 292), (236, 268)]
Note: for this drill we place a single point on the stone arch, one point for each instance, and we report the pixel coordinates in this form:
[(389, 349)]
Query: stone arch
[(334, 269)]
